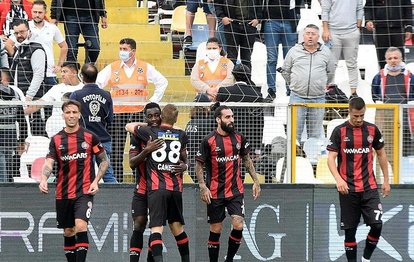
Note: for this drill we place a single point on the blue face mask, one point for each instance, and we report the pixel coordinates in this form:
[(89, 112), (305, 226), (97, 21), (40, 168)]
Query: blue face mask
[(124, 56), (395, 68)]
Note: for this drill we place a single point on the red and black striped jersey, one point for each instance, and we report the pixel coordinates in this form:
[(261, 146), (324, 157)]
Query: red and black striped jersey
[(355, 147), (158, 164), (74, 153), (221, 156), (137, 145)]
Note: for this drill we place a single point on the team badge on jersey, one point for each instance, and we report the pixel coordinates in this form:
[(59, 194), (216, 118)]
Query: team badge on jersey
[(84, 145), (238, 146), (370, 139)]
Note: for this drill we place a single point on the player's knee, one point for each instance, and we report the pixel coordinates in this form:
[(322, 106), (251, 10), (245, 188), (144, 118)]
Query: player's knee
[(140, 223), (376, 230), (69, 232), (176, 228), (216, 228), (237, 222), (350, 234)]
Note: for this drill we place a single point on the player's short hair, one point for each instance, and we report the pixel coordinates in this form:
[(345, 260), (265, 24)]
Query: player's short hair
[(71, 102), (18, 22), (128, 41), (356, 103), (218, 109), (169, 114), (89, 73), (72, 65), (150, 106)]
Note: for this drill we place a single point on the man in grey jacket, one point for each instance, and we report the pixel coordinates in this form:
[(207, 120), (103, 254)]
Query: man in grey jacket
[(306, 71)]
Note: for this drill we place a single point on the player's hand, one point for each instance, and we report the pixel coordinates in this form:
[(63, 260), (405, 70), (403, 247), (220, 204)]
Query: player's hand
[(43, 187), (178, 169), (153, 145), (385, 189), (205, 194), (256, 190), (93, 189), (342, 187)]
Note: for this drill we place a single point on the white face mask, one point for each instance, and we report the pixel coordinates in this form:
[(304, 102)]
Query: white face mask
[(213, 54), (124, 55)]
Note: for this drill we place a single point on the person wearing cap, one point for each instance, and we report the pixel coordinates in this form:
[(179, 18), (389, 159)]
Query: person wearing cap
[(251, 118), (212, 72)]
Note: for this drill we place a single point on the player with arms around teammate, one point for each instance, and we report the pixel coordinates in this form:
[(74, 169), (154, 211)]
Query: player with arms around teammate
[(221, 153), (137, 154), (164, 169), (353, 143), (73, 149)]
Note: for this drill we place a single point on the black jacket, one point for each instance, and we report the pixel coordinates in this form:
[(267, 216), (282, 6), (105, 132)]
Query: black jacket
[(226, 8), (389, 13), (280, 10), (56, 10)]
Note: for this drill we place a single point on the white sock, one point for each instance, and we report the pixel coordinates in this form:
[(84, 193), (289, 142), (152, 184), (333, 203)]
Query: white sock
[(365, 260)]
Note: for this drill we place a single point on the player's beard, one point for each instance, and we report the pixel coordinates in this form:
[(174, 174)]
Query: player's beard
[(229, 128)]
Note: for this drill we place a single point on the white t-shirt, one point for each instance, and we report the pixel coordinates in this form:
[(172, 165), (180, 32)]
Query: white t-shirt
[(45, 36), (56, 93)]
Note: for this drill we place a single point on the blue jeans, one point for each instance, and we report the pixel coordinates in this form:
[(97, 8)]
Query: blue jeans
[(277, 32), (74, 26), (311, 116), (109, 174)]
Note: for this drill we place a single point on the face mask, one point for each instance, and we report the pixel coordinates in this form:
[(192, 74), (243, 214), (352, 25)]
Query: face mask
[(395, 68), (124, 55), (213, 54)]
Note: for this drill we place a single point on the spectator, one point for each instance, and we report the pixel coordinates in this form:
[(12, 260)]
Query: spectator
[(12, 136), (44, 33), (201, 124), (240, 18), (80, 17), (212, 72), (192, 6), (70, 83), (306, 71), (28, 70), (96, 111), (279, 24), (249, 120), (11, 10), (392, 20), (127, 80), (394, 84), (341, 23)]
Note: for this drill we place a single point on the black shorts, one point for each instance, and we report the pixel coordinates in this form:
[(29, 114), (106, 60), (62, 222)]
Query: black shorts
[(216, 209), (67, 210), (139, 206), (165, 205), (355, 204)]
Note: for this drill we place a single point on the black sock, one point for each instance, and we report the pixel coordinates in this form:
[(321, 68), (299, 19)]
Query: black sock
[(370, 244), (82, 245), (351, 251), (70, 248), (213, 246), (149, 256), (156, 246), (135, 245), (182, 244), (234, 244)]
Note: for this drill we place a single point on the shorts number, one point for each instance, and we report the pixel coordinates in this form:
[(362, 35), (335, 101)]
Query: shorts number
[(173, 155), (378, 213), (89, 210)]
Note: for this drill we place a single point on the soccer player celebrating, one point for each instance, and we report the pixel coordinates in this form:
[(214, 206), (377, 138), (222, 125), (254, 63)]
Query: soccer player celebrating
[(221, 153), (353, 143), (137, 155), (164, 169), (73, 149)]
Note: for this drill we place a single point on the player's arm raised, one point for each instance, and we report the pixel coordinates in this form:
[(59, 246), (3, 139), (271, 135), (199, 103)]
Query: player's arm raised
[(248, 163), (103, 166), (46, 171)]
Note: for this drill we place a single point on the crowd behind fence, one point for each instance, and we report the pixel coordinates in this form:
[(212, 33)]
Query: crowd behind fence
[(269, 128)]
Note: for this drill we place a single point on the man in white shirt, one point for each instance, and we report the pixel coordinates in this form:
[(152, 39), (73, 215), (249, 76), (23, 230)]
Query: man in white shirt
[(70, 83), (127, 80), (44, 33)]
